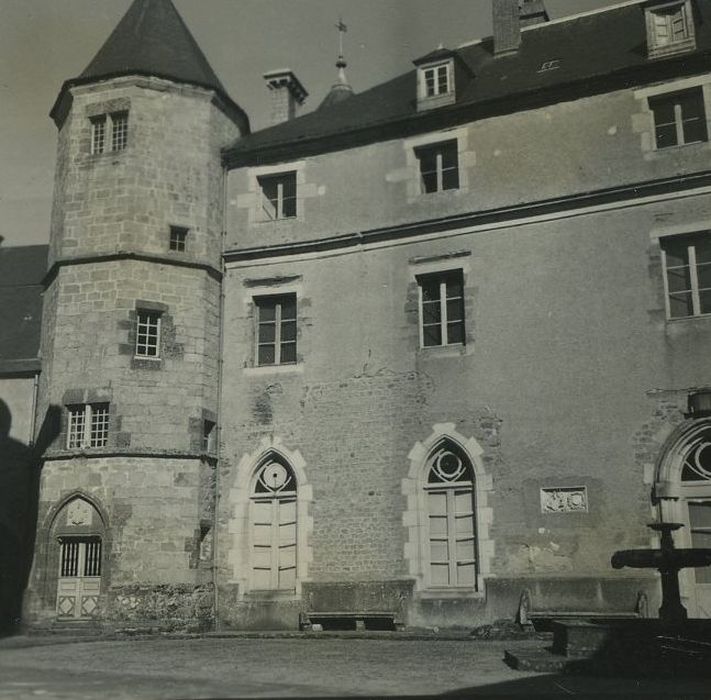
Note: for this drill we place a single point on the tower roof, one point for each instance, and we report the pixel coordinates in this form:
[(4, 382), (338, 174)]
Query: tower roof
[(151, 39)]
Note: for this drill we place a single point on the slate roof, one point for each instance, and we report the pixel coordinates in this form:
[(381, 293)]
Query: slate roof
[(151, 39), (588, 48), (22, 269)]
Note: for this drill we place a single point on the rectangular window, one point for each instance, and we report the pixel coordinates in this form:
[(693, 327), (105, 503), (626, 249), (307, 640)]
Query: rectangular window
[(276, 332), (147, 334), (88, 425), (687, 269), (439, 166), (119, 131), (98, 134), (436, 80), (679, 118), (278, 196), (109, 130), (441, 309), (178, 238)]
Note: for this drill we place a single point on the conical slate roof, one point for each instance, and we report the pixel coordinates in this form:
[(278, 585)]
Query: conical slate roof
[(153, 39)]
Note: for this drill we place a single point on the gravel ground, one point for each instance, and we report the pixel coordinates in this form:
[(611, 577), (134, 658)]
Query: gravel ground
[(158, 668)]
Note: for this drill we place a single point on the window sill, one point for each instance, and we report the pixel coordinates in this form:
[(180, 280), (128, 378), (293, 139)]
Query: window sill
[(678, 147), (449, 594), (687, 319), (295, 368), (454, 350)]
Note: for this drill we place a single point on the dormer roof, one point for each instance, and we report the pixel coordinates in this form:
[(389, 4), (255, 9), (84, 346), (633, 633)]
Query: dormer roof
[(151, 39)]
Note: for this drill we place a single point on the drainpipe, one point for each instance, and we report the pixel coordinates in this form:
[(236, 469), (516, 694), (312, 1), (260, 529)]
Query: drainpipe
[(218, 427)]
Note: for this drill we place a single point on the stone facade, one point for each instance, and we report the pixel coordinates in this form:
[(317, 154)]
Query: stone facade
[(557, 409)]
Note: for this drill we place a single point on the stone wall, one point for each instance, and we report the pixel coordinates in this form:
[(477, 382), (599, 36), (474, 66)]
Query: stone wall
[(567, 346)]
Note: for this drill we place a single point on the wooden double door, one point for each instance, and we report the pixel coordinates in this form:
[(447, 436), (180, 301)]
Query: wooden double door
[(79, 582)]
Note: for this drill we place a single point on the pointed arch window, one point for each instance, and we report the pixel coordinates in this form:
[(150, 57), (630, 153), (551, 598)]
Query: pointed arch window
[(451, 520), (273, 526)]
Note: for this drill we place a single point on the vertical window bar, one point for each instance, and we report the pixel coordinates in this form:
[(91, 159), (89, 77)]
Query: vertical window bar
[(694, 274)]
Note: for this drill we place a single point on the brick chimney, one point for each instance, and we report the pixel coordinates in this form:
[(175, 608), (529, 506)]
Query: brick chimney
[(287, 94), (507, 26), (533, 12), (509, 17)]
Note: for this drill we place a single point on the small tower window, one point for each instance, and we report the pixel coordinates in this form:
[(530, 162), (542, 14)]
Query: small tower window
[(119, 131), (178, 238), (208, 436), (88, 425), (98, 133), (147, 334), (109, 132)]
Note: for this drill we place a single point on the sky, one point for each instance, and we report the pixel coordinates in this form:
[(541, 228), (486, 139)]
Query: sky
[(44, 42)]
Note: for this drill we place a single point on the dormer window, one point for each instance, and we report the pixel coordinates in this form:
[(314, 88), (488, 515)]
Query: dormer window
[(670, 28), (437, 78)]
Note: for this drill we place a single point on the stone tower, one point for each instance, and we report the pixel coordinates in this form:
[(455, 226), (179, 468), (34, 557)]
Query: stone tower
[(131, 336)]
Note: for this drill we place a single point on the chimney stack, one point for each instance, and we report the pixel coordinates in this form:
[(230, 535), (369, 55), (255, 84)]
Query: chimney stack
[(533, 12), (507, 26), (509, 17), (287, 94)]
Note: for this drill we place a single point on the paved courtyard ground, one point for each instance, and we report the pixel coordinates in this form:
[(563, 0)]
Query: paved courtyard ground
[(159, 668)]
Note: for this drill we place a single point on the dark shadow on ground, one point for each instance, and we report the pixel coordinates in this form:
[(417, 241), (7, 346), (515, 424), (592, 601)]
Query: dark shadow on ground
[(20, 468)]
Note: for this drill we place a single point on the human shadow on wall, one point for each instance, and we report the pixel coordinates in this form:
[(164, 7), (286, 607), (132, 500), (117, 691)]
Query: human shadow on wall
[(20, 468)]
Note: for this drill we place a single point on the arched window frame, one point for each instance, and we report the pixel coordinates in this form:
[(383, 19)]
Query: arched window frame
[(273, 511), (415, 516), (239, 525)]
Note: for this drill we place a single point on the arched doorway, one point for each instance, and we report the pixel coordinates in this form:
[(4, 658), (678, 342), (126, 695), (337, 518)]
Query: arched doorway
[(684, 491), (77, 537), (451, 522), (273, 526)]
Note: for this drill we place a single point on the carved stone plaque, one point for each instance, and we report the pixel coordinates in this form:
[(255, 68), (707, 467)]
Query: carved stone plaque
[(79, 513), (564, 500)]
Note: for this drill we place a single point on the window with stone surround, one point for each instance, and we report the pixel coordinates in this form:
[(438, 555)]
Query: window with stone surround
[(178, 239), (441, 308), (273, 526), (147, 334), (679, 118), (278, 196), (276, 329), (687, 274), (670, 28), (451, 518), (439, 166), (109, 132), (88, 425)]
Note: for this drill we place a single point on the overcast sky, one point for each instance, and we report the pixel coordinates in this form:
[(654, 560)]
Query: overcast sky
[(44, 42)]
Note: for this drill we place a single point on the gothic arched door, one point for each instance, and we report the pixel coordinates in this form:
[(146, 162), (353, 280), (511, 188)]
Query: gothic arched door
[(78, 534)]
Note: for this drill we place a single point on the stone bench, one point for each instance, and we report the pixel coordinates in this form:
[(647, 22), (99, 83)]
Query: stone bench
[(381, 620), (528, 614)]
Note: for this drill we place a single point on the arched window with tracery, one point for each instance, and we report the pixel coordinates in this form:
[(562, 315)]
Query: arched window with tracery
[(696, 488), (273, 526), (451, 518)]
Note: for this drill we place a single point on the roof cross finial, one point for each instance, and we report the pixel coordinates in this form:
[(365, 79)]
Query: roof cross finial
[(342, 29)]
